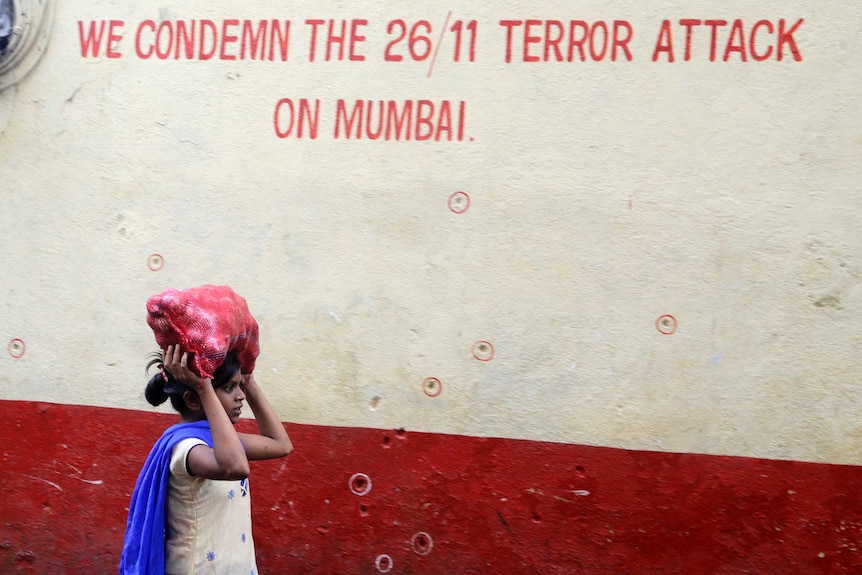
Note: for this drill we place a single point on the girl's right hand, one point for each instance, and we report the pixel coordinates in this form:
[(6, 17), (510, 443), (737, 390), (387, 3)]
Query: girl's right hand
[(177, 363)]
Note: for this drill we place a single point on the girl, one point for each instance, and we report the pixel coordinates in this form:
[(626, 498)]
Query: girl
[(190, 510)]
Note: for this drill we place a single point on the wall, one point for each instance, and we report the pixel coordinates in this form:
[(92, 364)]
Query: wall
[(529, 236)]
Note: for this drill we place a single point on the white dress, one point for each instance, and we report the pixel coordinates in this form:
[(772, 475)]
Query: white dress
[(208, 523)]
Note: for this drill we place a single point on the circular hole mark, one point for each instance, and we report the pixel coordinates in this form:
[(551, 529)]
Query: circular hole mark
[(432, 387), (16, 348), (483, 351), (422, 543), (666, 324), (363, 510), (360, 484), (459, 202), (384, 563), (155, 262)]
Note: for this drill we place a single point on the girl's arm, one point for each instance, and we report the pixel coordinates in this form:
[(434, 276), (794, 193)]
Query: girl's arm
[(273, 440), (227, 458)]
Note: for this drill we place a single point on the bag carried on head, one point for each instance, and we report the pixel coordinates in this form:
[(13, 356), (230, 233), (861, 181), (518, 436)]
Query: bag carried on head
[(208, 321)]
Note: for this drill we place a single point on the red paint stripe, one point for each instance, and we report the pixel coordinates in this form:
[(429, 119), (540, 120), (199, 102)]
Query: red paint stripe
[(486, 505)]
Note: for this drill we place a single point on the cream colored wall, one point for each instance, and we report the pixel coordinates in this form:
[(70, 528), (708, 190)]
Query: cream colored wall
[(603, 196)]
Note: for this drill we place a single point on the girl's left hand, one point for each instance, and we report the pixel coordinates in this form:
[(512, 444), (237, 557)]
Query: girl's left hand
[(177, 363)]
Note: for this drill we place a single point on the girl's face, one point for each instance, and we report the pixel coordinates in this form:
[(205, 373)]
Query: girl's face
[(231, 395)]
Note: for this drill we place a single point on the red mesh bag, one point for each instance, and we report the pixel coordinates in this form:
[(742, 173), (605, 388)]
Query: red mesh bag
[(208, 321)]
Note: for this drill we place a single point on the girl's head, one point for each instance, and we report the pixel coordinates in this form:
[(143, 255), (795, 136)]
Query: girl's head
[(163, 385)]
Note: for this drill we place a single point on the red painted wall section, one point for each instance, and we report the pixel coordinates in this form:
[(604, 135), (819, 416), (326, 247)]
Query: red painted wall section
[(363, 501)]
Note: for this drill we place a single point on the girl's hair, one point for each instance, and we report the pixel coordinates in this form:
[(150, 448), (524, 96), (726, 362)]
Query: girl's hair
[(163, 385)]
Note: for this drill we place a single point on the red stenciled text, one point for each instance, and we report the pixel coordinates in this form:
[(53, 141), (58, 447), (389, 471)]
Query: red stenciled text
[(206, 39), (418, 120), (107, 34), (523, 40), (191, 39), (558, 41), (296, 118), (763, 40), (339, 36), (387, 120)]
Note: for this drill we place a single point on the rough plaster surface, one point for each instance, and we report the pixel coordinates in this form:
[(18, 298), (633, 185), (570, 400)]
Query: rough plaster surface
[(603, 196)]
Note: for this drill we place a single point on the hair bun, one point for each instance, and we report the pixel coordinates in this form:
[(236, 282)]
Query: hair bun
[(155, 392)]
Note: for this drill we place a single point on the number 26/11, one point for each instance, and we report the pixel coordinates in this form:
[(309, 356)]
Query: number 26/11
[(420, 45)]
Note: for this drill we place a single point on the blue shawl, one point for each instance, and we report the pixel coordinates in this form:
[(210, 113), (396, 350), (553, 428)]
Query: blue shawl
[(144, 546)]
